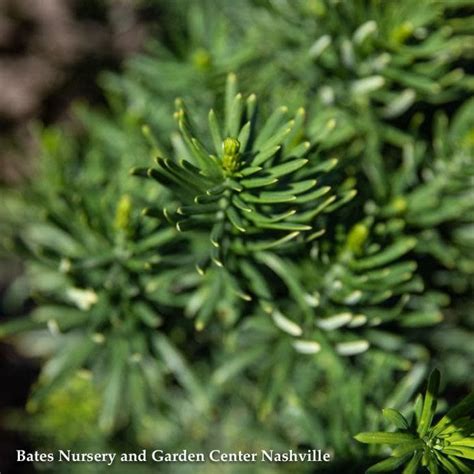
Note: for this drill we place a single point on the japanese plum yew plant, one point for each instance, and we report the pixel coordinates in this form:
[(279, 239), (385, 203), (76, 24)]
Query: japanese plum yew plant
[(445, 446), (289, 252)]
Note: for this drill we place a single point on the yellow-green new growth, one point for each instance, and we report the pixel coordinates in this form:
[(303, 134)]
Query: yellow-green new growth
[(123, 213), (231, 157)]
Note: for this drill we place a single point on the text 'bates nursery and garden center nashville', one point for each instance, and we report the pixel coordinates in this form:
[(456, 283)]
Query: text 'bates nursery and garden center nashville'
[(184, 456)]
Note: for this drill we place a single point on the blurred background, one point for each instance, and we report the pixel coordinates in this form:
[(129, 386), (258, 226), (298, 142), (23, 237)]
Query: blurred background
[(51, 52)]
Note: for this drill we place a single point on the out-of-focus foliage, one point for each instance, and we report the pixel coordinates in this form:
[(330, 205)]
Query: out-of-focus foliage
[(88, 256), (68, 415)]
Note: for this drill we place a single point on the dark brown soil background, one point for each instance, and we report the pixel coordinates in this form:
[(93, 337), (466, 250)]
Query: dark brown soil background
[(51, 52)]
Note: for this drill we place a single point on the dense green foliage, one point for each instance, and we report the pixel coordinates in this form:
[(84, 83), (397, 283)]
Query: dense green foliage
[(441, 446), (286, 257)]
